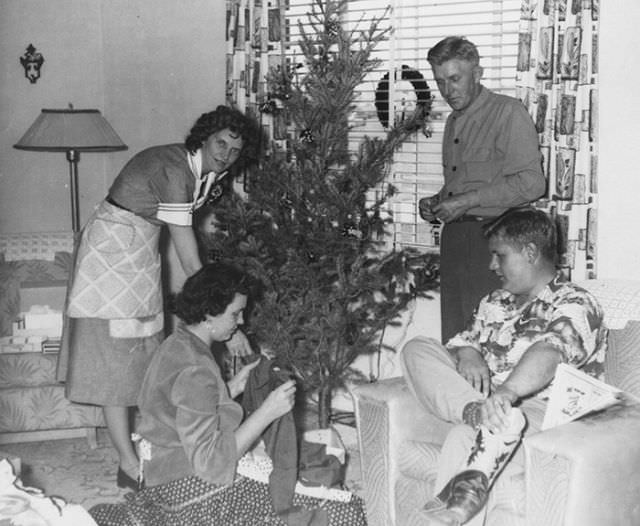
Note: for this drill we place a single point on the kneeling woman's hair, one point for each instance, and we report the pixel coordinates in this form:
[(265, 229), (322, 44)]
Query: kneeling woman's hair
[(210, 291)]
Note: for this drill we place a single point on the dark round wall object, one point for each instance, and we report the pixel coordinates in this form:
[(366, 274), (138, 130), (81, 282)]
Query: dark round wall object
[(423, 94)]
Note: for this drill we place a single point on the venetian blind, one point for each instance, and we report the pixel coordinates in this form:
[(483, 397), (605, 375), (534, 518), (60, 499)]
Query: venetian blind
[(416, 26)]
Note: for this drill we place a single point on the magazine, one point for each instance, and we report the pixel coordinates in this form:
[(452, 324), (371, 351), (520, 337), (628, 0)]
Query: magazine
[(575, 394)]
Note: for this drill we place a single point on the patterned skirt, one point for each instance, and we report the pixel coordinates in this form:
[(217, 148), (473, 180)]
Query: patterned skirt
[(191, 501)]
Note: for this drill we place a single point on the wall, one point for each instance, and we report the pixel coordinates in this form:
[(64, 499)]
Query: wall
[(619, 162), (151, 66)]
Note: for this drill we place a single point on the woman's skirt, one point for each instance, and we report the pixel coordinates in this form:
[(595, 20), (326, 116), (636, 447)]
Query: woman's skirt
[(191, 501), (114, 316), (103, 370)]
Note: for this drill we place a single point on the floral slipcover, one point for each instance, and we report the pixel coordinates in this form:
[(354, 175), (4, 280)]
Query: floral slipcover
[(30, 397)]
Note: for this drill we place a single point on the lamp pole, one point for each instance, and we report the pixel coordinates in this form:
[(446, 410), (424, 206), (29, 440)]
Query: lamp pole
[(73, 156)]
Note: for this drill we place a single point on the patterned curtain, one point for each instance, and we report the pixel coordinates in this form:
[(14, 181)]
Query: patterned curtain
[(256, 38), (557, 79)]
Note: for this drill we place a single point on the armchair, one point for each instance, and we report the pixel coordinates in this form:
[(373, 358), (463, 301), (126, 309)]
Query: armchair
[(585, 473), (34, 269)]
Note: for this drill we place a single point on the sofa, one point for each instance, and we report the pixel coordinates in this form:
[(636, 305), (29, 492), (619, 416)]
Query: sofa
[(584, 473), (34, 271)]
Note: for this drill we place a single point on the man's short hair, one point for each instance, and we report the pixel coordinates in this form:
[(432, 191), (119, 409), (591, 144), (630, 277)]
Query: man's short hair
[(451, 48), (520, 226)]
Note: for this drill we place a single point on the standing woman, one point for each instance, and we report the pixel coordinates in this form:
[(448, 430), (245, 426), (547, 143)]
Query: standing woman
[(115, 305)]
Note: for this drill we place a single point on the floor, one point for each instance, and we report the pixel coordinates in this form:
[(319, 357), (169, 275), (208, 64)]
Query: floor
[(70, 469)]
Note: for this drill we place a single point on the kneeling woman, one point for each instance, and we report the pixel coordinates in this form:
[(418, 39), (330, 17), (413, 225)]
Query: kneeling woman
[(188, 415)]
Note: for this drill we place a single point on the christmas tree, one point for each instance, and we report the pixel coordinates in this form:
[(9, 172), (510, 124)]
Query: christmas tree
[(312, 224)]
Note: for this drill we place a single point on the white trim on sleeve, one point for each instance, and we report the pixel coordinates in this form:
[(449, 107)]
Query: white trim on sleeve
[(175, 213)]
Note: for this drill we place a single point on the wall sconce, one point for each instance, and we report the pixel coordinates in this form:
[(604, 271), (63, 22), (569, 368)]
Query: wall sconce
[(32, 62), (71, 131)]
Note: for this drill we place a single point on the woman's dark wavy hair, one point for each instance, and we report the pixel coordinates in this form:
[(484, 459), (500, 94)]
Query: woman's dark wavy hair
[(225, 117), (520, 226), (210, 291)]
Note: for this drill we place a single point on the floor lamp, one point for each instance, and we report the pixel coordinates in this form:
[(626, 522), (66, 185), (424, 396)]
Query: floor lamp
[(71, 131)]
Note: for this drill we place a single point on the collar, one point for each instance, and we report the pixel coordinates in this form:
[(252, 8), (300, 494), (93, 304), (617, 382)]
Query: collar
[(199, 344), (480, 102), (204, 182), (556, 283), (195, 163)]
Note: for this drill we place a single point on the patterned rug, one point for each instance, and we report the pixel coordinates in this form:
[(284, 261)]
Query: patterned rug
[(81, 475)]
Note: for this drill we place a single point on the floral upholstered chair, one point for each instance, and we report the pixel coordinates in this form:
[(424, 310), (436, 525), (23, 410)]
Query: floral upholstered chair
[(585, 473), (32, 401)]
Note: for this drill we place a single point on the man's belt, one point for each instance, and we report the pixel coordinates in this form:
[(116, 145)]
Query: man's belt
[(470, 218)]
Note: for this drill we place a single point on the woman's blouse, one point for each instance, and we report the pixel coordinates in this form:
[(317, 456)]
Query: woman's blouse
[(158, 184), (187, 414)]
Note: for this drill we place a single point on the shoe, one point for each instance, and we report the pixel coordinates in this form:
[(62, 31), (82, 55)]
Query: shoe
[(125, 481), (460, 500)]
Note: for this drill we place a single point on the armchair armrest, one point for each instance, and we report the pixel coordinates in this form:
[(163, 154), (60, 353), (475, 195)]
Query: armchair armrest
[(387, 414), (586, 473)]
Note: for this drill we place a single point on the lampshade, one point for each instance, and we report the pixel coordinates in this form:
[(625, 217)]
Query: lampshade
[(71, 131), (64, 130)]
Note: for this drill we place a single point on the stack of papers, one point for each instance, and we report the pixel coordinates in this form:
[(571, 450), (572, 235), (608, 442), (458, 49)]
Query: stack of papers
[(575, 394)]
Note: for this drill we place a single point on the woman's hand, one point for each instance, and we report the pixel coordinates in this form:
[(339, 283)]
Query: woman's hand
[(239, 344), (474, 369), (237, 384), (280, 401)]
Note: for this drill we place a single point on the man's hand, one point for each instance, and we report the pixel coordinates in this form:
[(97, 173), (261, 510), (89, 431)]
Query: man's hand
[(495, 409), (239, 345), (473, 368), (452, 207), (426, 204)]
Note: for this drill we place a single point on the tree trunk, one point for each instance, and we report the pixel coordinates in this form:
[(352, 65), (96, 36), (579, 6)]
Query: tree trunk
[(324, 407)]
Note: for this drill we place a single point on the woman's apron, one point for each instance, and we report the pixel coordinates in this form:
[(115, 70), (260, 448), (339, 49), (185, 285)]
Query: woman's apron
[(117, 271)]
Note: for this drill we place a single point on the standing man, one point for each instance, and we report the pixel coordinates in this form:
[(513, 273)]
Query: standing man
[(491, 162)]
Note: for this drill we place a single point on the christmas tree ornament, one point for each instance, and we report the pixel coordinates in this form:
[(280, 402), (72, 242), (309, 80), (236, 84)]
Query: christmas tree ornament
[(332, 27), (427, 129), (268, 106), (307, 136), (214, 194), (351, 230)]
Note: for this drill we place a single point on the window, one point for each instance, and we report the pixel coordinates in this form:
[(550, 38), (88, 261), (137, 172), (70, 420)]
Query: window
[(416, 26)]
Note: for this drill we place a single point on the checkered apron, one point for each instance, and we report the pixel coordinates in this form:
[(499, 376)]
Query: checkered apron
[(117, 267)]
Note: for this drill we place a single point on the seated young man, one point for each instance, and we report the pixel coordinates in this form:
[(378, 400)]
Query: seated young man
[(493, 378)]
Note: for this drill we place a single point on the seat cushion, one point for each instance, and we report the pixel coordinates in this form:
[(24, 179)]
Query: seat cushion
[(419, 460), (43, 407), (622, 364), (27, 369), (418, 466)]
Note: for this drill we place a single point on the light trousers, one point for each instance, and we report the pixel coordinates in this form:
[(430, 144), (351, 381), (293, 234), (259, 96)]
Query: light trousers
[(431, 375)]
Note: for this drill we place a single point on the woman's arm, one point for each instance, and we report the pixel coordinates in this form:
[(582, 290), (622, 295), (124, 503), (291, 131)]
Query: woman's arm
[(184, 239), (278, 403)]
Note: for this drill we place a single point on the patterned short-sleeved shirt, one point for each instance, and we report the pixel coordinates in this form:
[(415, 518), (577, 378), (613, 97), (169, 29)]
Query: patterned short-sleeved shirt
[(562, 314)]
